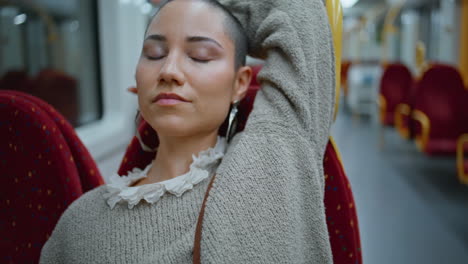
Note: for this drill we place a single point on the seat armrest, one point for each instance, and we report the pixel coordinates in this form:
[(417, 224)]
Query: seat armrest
[(382, 103), (462, 174), (423, 120), (400, 111)]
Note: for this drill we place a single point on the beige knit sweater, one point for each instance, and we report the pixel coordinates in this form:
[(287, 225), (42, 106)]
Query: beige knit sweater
[(266, 205)]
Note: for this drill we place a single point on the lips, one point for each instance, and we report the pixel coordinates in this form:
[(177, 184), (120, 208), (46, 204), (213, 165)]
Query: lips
[(169, 99)]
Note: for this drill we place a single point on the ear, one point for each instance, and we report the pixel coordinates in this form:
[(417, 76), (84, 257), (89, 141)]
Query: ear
[(242, 83), (133, 90)]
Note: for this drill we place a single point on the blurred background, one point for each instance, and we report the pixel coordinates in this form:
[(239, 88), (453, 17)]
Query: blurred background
[(401, 127)]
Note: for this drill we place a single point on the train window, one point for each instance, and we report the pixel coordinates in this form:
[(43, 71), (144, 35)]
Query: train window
[(50, 49)]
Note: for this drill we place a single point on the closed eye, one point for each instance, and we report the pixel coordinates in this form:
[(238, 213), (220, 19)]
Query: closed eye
[(154, 58), (200, 60)]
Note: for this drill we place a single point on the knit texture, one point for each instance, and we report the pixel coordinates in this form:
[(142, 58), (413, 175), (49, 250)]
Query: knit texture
[(266, 205)]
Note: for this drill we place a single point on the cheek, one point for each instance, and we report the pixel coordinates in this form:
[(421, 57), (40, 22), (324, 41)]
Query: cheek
[(215, 82), (215, 90), (145, 73), (146, 76), (143, 82), (139, 72)]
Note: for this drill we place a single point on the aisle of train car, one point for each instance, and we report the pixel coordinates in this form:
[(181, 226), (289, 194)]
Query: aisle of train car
[(411, 207)]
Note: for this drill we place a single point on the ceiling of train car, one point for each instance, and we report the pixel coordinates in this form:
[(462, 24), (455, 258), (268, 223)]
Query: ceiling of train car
[(407, 2), (368, 2), (66, 8), (364, 5)]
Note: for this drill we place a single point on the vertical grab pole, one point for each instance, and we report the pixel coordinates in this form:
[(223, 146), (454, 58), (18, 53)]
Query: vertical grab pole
[(464, 42)]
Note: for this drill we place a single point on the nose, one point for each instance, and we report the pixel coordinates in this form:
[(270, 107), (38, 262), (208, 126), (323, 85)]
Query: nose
[(171, 72)]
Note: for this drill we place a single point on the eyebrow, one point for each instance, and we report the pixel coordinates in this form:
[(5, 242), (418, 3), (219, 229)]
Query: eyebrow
[(162, 38), (203, 39), (156, 37)]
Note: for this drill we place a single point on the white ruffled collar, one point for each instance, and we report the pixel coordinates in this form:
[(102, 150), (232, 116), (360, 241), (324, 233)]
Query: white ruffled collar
[(118, 189)]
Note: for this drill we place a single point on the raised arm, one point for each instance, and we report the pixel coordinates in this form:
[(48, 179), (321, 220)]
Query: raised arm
[(266, 204), (294, 38)]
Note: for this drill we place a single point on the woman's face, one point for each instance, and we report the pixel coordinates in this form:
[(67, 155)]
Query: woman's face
[(186, 79)]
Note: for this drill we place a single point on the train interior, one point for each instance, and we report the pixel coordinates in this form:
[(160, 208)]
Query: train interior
[(396, 169)]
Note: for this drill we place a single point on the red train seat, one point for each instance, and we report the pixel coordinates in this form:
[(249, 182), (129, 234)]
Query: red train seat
[(39, 178), (60, 90), (88, 171), (16, 80), (440, 110), (395, 87)]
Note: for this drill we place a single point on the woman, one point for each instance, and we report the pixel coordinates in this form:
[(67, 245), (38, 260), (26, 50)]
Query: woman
[(266, 201)]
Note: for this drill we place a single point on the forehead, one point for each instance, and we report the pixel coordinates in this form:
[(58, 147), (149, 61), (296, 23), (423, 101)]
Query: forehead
[(189, 18)]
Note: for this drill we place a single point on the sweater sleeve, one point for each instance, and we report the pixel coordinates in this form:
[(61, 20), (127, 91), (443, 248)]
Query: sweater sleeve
[(297, 78), (266, 204)]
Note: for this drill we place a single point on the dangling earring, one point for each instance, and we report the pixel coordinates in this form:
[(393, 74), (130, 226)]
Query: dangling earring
[(143, 146), (232, 122)]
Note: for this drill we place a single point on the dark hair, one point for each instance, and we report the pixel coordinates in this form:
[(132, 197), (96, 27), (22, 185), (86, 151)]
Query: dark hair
[(233, 28)]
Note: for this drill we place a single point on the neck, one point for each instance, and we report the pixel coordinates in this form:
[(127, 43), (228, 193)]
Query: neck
[(174, 155)]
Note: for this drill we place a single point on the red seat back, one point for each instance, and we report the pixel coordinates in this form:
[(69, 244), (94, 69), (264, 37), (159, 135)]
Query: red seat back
[(255, 70), (38, 178), (16, 80), (442, 97), (395, 87), (60, 90), (88, 171), (340, 209)]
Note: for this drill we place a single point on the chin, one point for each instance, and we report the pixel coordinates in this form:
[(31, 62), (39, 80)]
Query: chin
[(179, 127), (171, 125)]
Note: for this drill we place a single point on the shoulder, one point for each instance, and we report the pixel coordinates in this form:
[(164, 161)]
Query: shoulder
[(69, 229), (89, 200), (86, 206), (80, 212)]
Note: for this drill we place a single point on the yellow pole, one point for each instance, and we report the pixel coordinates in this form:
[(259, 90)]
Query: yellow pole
[(335, 16), (389, 28), (464, 42)]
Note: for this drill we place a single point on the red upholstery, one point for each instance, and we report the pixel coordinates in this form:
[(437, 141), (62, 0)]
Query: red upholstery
[(255, 70), (55, 87), (88, 171), (341, 213), (38, 178), (60, 90), (135, 156), (16, 80), (395, 87), (443, 99), (442, 147)]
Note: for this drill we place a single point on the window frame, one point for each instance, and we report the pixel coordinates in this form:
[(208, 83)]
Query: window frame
[(121, 26)]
